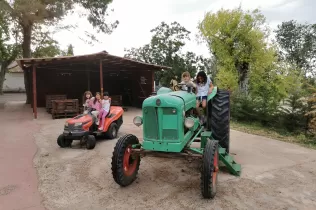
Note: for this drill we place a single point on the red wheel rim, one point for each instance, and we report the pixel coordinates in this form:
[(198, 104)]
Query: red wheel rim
[(215, 164), (129, 164)]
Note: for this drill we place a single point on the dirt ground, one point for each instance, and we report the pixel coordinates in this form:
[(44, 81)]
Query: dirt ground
[(275, 175)]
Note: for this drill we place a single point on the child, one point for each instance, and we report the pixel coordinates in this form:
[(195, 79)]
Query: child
[(106, 102), (204, 88), (87, 96), (96, 104), (186, 78)]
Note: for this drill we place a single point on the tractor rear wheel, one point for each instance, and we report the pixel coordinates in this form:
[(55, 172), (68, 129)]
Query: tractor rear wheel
[(219, 118), (90, 142), (125, 165), (62, 142), (209, 173), (112, 131)]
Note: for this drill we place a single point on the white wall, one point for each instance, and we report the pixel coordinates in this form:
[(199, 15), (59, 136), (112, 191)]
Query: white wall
[(14, 82)]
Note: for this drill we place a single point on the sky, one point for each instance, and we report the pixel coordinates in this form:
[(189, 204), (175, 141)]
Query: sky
[(137, 17)]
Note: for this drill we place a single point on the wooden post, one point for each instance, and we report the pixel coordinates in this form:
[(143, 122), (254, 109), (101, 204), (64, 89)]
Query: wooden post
[(34, 93), (101, 78), (152, 81), (88, 76)]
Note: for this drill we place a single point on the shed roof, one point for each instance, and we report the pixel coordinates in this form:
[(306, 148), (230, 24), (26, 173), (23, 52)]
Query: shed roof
[(107, 59)]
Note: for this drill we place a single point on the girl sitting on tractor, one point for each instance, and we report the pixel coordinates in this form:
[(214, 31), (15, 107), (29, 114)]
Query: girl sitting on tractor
[(204, 88), (106, 102), (87, 96), (96, 104)]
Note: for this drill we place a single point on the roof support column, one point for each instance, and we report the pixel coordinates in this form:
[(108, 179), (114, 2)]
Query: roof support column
[(34, 92), (88, 77), (152, 81), (101, 78)]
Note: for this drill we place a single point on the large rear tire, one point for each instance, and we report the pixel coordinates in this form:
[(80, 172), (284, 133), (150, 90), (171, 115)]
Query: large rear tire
[(219, 118), (209, 173), (125, 165)]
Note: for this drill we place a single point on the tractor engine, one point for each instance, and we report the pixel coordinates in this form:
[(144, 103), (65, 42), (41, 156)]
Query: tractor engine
[(168, 123)]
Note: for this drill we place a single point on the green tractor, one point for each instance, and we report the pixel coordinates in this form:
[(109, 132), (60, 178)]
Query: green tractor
[(170, 126)]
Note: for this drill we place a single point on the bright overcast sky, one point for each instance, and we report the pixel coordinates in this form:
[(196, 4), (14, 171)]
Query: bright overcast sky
[(137, 17)]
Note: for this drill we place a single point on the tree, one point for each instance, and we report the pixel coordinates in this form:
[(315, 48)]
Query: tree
[(311, 114), (29, 14), (297, 44), (237, 40), (8, 52), (47, 48), (165, 48), (70, 50)]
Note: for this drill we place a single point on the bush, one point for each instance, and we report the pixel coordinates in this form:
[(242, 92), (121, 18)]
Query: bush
[(291, 114)]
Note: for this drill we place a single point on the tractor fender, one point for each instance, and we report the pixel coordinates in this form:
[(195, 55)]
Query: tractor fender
[(212, 94)]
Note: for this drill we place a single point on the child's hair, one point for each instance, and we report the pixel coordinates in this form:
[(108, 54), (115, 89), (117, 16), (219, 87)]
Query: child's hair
[(84, 95), (185, 74), (203, 75), (106, 93), (95, 98)]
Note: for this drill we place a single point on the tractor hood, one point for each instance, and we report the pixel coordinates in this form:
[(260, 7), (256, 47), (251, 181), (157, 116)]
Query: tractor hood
[(177, 99)]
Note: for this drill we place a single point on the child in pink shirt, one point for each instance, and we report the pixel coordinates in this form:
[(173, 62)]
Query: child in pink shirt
[(96, 104)]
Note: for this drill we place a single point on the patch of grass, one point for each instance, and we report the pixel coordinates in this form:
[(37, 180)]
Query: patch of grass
[(258, 129)]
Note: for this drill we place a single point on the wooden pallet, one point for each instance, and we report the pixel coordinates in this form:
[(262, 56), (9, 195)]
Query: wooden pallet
[(64, 115), (65, 108), (49, 99)]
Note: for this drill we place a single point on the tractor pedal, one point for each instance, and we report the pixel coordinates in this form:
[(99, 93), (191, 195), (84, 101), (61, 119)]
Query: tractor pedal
[(236, 167), (229, 159)]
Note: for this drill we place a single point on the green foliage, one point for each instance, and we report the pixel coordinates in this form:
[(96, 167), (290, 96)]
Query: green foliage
[(311, 114), (165, 48), (291, 114), (70, 50), (297, 44), (48, 48), (26, 15), (8, 51), (237, 40)]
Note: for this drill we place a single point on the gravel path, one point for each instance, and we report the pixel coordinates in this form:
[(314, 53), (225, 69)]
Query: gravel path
[(276, 175)]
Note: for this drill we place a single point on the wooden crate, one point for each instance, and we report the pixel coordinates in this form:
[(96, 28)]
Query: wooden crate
[(49, 99), (65, 108)]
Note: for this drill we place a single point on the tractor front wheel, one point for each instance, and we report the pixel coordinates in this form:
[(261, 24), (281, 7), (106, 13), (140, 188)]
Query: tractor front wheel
[(62, 142), (209, 173), (125, 165), (90, 142)]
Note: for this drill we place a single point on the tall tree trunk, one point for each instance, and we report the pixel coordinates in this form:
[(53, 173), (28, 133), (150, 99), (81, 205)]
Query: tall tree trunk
[(26, 48), (3, 68)]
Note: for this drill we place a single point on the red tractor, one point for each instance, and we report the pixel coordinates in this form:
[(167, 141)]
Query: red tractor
[(83, 127)]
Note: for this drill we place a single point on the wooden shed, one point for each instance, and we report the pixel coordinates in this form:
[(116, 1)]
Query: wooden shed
[(99, 72)]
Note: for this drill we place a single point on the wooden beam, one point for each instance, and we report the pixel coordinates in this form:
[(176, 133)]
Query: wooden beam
[(88, 78), (152, 81), (101, 78), (34, 93)]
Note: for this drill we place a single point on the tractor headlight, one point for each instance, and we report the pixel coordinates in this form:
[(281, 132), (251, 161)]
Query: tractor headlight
[(188, 123), (66, 124), (138, 121), (78, 124)]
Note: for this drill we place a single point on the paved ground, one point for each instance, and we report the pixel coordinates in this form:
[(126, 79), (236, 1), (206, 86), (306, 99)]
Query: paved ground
[(18, 183), (276, 175)]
